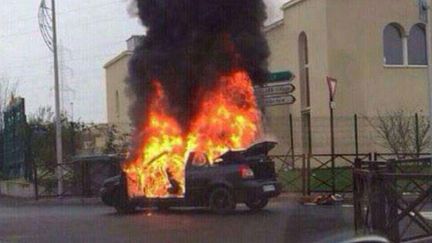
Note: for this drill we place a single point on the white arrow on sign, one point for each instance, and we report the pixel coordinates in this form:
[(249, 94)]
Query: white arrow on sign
[(275, 89), (278, 100)]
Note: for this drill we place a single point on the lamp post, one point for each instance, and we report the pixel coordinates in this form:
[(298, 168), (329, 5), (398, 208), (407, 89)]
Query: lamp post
[(48, 27)]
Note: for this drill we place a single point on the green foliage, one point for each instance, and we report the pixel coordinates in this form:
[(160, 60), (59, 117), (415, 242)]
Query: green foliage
[(43, 137), (7, 90), (117, 142)]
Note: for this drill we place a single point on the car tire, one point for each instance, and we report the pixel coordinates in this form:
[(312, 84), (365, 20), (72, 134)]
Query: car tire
[(122, 205), (257, 204), (107, 199), (221, 201)]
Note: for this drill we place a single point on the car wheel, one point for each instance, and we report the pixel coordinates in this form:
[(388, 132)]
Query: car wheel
[(122, 205), (257, 203), (221, 201), (107, 199)]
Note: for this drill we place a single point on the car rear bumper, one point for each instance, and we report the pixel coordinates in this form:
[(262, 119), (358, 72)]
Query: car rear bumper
[(250, 190)]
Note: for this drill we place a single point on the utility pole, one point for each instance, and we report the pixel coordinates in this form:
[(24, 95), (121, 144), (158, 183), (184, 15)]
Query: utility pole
[(48, 26), (59, 146)]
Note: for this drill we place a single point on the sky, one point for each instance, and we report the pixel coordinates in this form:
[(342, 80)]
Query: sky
[(90, 34)]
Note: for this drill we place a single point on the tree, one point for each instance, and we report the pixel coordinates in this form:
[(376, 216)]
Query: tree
[(42, 132), (7, 91), (117, 142), (402, 132)]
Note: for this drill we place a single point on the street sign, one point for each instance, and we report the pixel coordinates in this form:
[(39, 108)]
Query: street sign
[(286, 76), (279, 100), (332, 84), (279, 89)]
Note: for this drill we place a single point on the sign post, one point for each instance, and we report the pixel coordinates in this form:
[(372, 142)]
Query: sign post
[(332, 83)]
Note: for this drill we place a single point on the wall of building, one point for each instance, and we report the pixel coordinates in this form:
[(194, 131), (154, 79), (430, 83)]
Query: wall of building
[(309, 17), (118, 105), (366, 85), (17, 188), (345, 39), (390, 87)]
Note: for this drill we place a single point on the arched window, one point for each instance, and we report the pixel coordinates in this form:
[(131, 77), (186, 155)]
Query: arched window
[(117, 103), (417, 47), (304, 70), (393, 45), (305, 92)]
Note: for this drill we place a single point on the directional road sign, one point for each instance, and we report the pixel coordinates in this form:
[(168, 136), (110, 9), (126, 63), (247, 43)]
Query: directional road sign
[(278, 100)]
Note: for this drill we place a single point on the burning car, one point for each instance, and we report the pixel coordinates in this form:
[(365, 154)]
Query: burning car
[(237, 176), (191, 79)]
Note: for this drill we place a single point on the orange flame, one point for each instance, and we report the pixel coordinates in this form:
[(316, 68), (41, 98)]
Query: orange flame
[(228, 118)]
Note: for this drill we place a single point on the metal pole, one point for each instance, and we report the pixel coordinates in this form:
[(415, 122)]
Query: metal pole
[(59, 148), (429, 52), (292, 139), (332, 148), (356, 135), (308, 172), (417, 137)]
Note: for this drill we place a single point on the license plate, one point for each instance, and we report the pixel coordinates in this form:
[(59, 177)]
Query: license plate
[(269, 188)]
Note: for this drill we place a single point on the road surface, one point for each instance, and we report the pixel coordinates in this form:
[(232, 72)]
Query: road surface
[(283, 221)]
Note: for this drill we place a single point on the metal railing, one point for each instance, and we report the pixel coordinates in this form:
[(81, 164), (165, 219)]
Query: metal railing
[(381, 204), (82, 176)]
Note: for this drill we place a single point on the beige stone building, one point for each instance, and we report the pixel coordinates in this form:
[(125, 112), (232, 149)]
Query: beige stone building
[(118, 101), (375, 49)]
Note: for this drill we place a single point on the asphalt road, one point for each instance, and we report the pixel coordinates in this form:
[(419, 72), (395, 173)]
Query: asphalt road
[(283, 221)]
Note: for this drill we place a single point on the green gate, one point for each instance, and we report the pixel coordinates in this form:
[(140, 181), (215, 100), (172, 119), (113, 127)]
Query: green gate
[(14, 141)]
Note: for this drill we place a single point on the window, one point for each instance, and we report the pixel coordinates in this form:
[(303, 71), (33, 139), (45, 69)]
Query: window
[(305, 92), (198, 159), (304, 71), (393, 45), (417, 47), (117, 103)]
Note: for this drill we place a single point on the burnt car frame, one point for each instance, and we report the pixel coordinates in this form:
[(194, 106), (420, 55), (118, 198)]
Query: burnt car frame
[(243, 176)]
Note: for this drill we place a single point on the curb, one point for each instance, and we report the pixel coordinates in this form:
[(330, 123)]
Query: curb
[(73, 201)]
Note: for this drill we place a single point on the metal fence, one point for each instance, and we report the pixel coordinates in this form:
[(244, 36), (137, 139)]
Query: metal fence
[(331, 173), (82, 176), (382, 204)]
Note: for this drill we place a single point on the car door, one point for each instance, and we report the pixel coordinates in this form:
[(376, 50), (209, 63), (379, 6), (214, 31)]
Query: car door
[(196, 178)]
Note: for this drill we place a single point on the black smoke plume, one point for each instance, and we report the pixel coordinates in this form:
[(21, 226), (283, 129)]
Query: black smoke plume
[(189, 44)]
